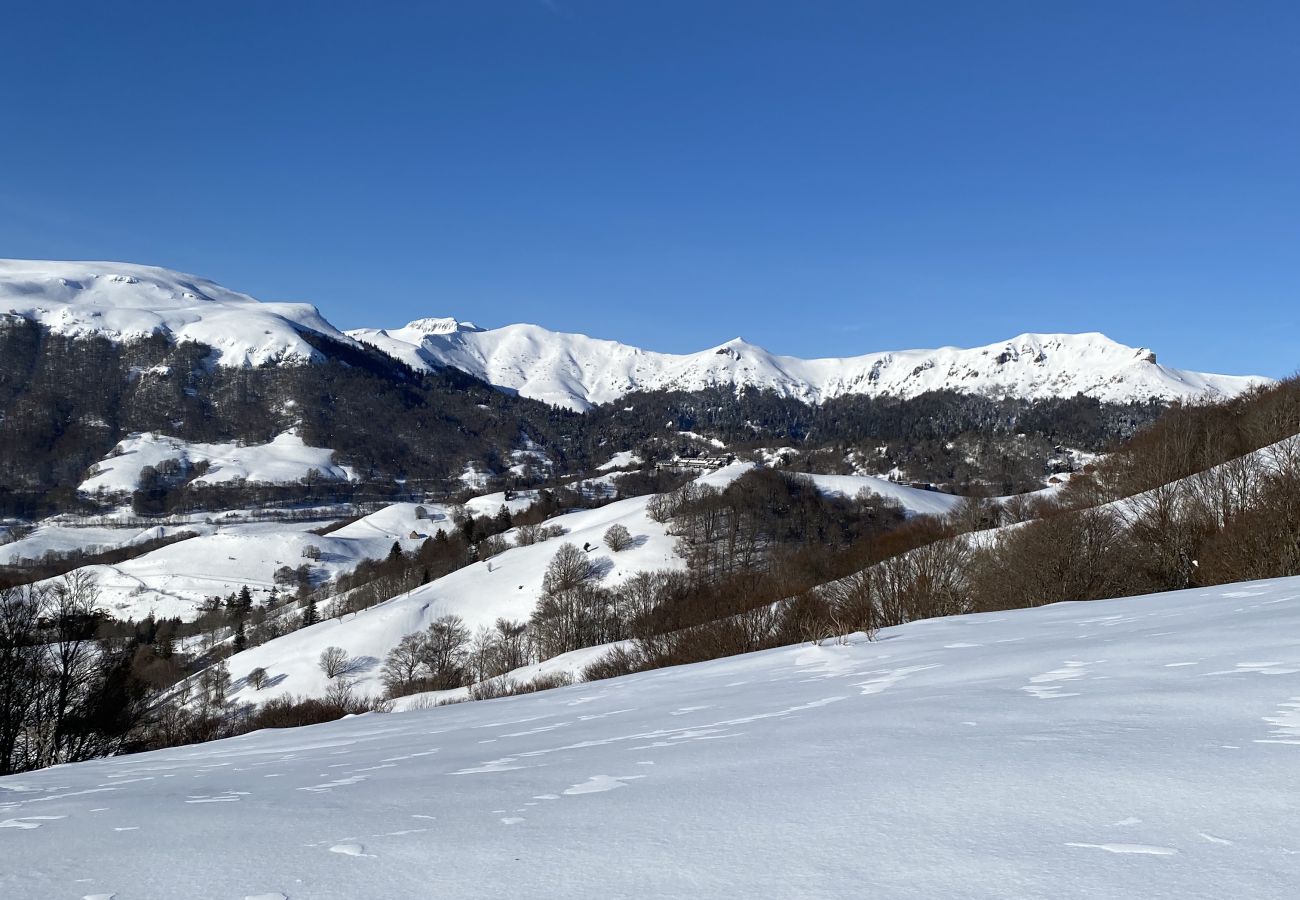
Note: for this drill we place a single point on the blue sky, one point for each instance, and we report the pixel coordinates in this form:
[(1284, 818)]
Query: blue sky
[(821, 178)]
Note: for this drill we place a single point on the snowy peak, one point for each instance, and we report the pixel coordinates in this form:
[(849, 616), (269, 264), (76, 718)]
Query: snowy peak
[(121, 301), (444, 325), (577, 371)]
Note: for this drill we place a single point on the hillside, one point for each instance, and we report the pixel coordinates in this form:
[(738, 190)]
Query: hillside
[(1136, 747), (576, 371)]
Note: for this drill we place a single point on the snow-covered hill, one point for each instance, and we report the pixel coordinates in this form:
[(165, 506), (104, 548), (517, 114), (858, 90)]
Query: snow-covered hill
[(122, 301), (285, 459), (576, 371), (1144, 747)]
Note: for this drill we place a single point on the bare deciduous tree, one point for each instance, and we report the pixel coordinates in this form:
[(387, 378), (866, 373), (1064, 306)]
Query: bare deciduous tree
[(617, 537), (334, 661)]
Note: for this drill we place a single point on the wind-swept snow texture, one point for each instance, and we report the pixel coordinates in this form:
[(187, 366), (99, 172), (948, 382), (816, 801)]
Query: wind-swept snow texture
[(1146, 747), (576, 371), (121, 301)]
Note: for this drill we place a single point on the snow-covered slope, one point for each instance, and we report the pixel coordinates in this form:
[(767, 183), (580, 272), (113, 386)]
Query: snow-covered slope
[(285, 459), (1145, 747), (120, 300), (174, 580), (576, 371), (507, 586)]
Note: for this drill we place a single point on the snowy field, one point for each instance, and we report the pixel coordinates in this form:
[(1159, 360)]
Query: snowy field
[(1146, 747)]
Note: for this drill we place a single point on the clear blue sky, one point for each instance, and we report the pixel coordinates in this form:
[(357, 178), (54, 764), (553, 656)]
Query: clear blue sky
[(822, 178)]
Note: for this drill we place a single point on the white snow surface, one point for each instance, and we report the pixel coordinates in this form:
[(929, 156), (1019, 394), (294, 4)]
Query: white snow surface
[(620, 460), (1144, 747), (174, 580), (577, 371), (285, 459), (506, 586), (122, 301)]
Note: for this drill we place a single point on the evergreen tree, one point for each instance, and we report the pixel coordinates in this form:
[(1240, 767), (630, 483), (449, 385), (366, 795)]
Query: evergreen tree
[(309, 614)]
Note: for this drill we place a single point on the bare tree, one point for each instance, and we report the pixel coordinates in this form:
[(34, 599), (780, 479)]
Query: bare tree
[(445, 652), (334, 661), (617, 537), (402, 665), (257, 678), (569, 568)]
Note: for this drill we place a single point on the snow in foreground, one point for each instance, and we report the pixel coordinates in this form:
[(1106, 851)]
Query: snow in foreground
[(1145, 747)]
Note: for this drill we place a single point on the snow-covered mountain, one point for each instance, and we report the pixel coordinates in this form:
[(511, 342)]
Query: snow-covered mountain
[(122, 301), (1143, 747), (577, 371)]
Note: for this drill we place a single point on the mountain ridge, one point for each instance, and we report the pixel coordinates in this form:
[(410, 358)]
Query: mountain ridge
[(121, 301), (578, 371)]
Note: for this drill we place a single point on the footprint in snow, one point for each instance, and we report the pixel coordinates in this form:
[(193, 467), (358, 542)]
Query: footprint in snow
[(511, 820)]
